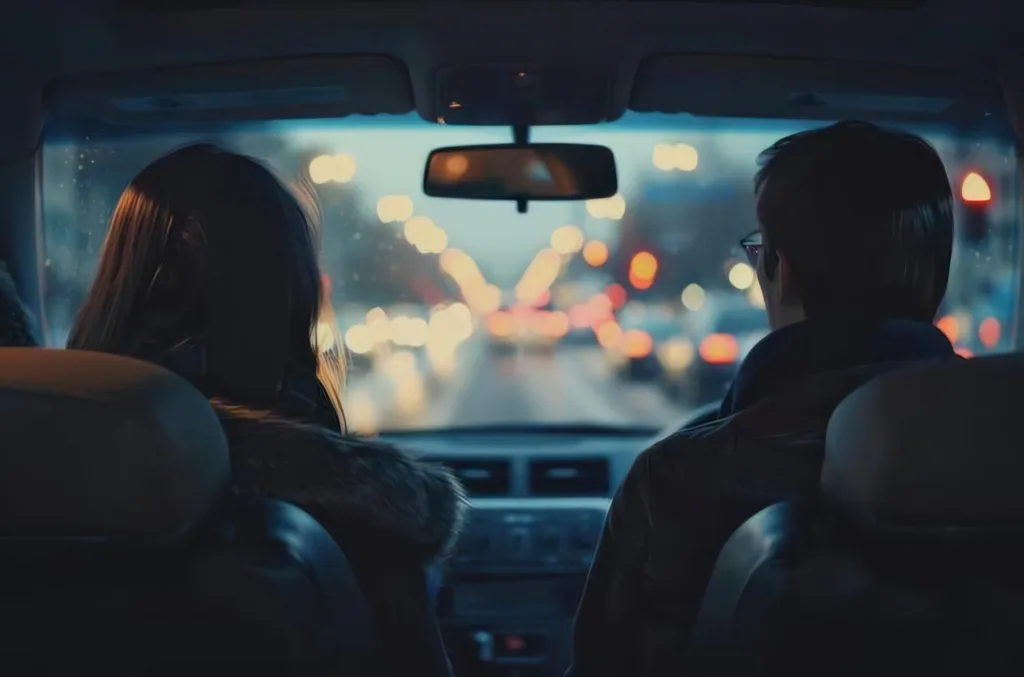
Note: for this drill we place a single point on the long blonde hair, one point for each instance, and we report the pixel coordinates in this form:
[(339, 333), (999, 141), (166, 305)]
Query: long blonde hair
[(208, 247)]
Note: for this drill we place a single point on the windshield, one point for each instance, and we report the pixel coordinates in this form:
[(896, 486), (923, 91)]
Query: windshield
[(461, 313), (740, 321)]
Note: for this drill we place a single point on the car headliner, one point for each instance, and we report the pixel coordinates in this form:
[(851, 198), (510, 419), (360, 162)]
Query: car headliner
[(49, 40)]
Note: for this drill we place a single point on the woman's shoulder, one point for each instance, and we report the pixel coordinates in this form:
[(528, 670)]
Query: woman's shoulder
[(345, 480)]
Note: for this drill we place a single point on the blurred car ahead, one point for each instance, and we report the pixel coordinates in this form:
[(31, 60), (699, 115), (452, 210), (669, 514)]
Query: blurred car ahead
[(634, 355), (699, 363), (528, 329)]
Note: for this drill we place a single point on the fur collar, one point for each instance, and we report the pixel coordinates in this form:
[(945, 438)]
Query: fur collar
[(371, 486), (355, 484)]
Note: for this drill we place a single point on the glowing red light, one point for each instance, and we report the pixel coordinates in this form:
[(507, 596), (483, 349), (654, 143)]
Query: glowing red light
[(617, 294)]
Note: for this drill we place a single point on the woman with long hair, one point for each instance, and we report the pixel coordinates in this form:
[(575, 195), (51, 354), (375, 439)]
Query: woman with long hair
[(210, 269)]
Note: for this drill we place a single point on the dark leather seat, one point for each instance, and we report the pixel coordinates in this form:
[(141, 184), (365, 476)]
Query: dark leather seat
[(910, 561), (123, 550)]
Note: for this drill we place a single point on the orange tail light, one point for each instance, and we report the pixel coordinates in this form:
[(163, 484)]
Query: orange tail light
[(638, 344), (719, 349)]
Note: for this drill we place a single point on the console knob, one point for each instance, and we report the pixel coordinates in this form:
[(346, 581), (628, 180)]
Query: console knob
[(484, 642), (518, 542)]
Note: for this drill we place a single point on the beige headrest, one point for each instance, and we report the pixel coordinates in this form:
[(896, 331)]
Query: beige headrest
[(94, 445)]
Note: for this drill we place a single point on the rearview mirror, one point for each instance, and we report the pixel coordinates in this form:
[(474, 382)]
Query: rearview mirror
[(542, 171)]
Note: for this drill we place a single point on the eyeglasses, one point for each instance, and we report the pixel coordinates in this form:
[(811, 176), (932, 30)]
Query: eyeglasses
[(752, 246)]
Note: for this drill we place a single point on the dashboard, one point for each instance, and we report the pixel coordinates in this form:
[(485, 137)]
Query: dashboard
[(538, 505)]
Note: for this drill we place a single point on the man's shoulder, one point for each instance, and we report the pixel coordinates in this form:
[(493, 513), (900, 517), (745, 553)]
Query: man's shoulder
[(776, 443), (771, 449)]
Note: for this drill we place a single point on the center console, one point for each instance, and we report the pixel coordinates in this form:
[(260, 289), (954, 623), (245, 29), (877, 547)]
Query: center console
[(511, 590)]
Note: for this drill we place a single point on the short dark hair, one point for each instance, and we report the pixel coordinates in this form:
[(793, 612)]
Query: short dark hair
[(864, 216)]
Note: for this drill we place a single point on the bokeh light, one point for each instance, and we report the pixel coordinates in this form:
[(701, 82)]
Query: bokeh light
[(612, 208), (567, 240), (394, 208), (693, 297), (975, 188), (337, 168), (595, 253), (675, 157), (741, 276)]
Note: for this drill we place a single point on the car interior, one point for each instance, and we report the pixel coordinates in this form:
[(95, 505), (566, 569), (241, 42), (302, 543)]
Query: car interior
[(898, 574), (145, 561)]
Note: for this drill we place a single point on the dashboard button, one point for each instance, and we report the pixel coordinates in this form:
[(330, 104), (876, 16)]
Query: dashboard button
[(518, 542), (476, 546), (549, 542), (584, 539)]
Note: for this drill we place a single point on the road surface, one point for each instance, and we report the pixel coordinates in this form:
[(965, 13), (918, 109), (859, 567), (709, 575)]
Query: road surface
[(568, 385)]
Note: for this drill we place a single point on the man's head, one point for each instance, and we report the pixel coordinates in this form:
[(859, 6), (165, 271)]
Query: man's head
[(856, 223)]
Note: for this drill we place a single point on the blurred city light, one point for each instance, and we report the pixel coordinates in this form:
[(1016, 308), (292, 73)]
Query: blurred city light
[(555, 324), (612, 208), (949, 326), (642, 269), (989, 332), (637, 344), (482, 298), (442, 359), (567, 240), (461, 319), (408, 331), (394, 208), (360, 412), (681, 156), (458, 264), (359, 339), (539, 276), (379, 325), (693, 297), (595, 253), (741, 276), (400, 364), (417, 228), (609, 333), (719, 349), (755, 296), (435, 242), (500, 324), (975, 188), (337, 168), (448, 327), (600, 306), (617, 295), (403, 371), (640, 283), (580, 316), (425, 235), (676, 354), (410, 394)]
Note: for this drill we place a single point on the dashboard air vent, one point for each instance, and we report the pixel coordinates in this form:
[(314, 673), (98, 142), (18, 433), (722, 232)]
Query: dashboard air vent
[(570, 477), (481, 476)]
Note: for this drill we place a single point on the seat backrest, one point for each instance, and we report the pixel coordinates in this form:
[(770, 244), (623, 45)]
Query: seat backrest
[(909, 562), (123, 549)]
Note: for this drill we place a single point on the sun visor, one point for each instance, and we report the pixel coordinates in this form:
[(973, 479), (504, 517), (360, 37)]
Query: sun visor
[(323, 87), (764, 87)]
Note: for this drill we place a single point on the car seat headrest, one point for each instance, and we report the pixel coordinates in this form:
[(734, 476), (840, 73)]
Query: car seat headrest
[(101, 446), (931, 447)]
